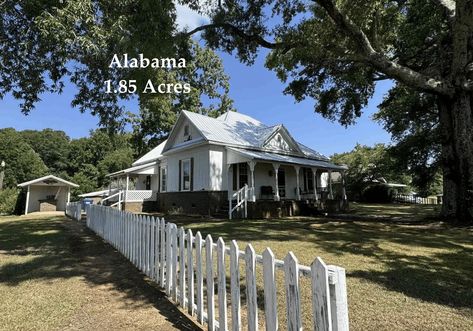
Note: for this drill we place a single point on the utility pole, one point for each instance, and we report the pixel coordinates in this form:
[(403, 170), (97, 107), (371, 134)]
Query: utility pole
[(2, 174)]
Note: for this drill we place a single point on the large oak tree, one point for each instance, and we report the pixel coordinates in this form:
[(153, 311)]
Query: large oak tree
[(336, 51)]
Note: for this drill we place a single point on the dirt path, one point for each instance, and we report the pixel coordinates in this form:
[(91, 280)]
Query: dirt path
[(74, 281)]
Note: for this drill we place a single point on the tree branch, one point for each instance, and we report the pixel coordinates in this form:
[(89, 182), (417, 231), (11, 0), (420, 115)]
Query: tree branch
[(448, 5), (379, 60), (240, 33)]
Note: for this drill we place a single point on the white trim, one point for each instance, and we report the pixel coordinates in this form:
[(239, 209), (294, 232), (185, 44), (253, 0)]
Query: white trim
[(38, 180)]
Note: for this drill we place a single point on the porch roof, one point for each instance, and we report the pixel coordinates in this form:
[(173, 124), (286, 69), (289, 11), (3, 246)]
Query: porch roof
[(49, 180), (133, 170), (280, 158)]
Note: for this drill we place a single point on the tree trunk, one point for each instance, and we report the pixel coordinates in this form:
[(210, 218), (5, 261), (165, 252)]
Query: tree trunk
[(456, 120)]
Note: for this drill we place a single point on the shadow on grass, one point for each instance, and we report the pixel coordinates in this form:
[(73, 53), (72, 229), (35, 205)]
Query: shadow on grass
[(428, 261), (62, 248)]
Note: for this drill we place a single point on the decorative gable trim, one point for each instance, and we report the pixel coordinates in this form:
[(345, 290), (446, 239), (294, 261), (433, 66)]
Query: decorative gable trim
[(286, 138)]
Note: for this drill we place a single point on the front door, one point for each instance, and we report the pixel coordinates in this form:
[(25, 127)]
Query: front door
[(282, 182)]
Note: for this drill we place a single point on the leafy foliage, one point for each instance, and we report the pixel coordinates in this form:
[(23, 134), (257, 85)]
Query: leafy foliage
[(368, 165), (412, 119), (8, 200), (45, 43), (22, 162)]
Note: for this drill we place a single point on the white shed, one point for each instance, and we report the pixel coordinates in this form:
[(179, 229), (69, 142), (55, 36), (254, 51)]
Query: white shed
[(48, 193)]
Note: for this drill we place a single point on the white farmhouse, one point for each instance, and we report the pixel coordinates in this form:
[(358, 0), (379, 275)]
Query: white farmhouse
[(232, 165)]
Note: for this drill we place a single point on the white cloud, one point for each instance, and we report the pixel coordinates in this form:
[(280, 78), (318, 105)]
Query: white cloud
[(187, 18)]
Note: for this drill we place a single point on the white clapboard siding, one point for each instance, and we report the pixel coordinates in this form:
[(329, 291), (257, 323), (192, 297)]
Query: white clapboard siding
[(172, 257)]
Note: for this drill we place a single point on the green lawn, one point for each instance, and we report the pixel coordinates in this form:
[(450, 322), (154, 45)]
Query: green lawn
[(55, 275), (411, 274)]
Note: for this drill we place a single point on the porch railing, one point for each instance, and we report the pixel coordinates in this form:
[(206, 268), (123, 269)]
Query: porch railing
[(241, 197), (140, 195)]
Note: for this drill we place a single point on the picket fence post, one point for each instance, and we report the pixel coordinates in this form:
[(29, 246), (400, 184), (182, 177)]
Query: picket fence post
[(171, 256)]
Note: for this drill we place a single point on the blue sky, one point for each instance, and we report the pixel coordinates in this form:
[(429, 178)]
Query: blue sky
[(255, 91)]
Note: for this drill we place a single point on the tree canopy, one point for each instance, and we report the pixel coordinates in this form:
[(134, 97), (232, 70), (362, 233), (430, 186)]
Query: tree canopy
[(334, 52)]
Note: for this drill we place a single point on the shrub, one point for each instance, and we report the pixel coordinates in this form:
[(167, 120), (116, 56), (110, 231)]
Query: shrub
[(8, 201), (377, 193)]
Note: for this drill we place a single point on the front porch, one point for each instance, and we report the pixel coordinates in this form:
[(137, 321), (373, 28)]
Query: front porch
[(133, 189), (262, 185)]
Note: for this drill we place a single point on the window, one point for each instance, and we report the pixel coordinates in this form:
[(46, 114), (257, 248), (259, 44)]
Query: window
[(186, 175), (148, 183), (186, 130), (308, 180), (164, 180), (240, 175)]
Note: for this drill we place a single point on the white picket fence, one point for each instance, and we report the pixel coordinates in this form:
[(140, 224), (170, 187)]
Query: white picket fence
[(74, 210), (174, 259)]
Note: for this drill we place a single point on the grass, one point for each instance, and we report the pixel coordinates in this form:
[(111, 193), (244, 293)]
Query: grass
[(413, 273), (56, 275)]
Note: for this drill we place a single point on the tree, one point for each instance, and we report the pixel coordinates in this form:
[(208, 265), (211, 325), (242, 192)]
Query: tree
[(412, 119), (370, 164), (336, 51), (52, 146), (44, 43), (116, 160), (22, 162)]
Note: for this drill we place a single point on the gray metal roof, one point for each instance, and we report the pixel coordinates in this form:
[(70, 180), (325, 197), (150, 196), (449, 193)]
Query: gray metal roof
[(234, 128)]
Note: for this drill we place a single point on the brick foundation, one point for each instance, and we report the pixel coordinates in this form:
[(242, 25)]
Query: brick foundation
[(197, 202)]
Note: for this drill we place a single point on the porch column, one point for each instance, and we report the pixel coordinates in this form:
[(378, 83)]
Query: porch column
[(229, 191), (252, 165), (344, 192), (276, 184), (314, 181), (27, 200), (126, 188), (330, 184), (68, 194), (298, 191)]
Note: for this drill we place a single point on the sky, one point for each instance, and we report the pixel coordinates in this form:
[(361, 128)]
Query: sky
[(255, 90)]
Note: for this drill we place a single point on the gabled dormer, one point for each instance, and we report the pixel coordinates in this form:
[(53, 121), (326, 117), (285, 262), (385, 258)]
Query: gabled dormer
[(280, 140)]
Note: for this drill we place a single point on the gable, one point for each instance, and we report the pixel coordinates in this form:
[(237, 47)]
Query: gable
[(281, 141), (184, 132)]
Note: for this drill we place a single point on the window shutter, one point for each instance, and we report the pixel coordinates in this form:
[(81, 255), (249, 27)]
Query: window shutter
[(159, 179), (192, 174), (180, 174)]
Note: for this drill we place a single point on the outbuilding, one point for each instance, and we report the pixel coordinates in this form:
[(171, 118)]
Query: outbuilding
[(48, 193)]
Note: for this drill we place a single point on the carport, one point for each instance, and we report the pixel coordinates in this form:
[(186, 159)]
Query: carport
[(48, 193)]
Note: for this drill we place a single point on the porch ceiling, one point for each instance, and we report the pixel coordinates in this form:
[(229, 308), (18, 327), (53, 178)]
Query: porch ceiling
[(280, 158)]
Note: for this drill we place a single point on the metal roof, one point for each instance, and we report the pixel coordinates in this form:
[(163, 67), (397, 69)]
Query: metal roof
[(236, 129), (279, 158), (132, 169), (49, 180), (231, 129), (151, 155)]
